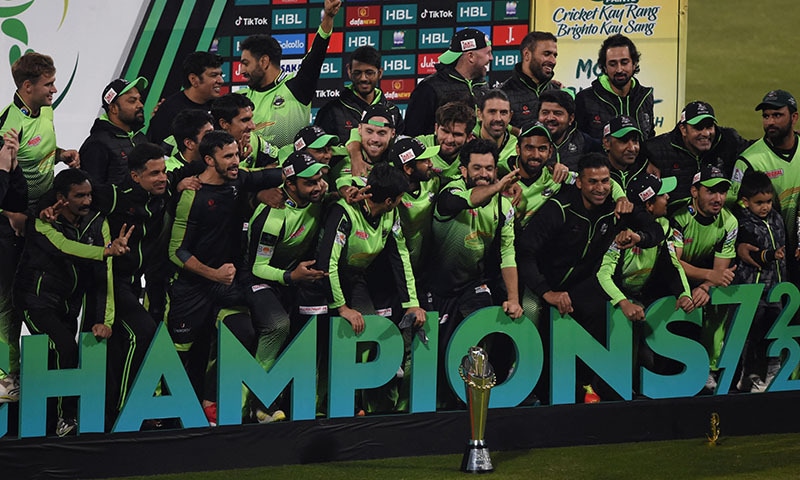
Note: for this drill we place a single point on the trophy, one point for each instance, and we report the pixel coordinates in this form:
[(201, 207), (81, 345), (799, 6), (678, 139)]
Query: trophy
[(479, 378)]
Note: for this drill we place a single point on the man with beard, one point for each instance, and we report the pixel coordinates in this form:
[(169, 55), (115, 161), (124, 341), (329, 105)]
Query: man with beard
[(557, 113), (280, 255), (460, 77), (377, 132), (616, 92), (205, 245), (104, 153), (704, 234), (453, 128), (283, 100), (473, 236), (341, 115), (494, 114), (537, 182), (202, 80), (776, 154), (531, 77), (695, 141), (63, 270)]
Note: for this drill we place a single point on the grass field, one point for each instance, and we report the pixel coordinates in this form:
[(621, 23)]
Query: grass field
[(737, 51)]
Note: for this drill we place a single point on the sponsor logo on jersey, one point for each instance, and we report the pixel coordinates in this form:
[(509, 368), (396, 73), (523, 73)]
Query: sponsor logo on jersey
[(775, 173), (298, 232), (362, 234), (35, 141)]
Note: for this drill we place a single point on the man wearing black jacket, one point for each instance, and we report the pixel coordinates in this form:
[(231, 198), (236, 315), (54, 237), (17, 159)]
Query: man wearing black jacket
[(531, 77)]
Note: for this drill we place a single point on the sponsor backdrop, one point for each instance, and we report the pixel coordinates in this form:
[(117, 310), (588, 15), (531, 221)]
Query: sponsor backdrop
[(657, 27)]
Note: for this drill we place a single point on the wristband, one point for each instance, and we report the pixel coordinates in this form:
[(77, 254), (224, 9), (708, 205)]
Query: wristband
[(287, 277)]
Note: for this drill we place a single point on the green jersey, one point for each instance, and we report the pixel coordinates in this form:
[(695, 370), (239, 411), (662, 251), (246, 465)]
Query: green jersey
[(447, 171), (37, 145), (534, 194), (463, 234), (507, 149), (416, 215), (703, 239), (783, 168), (351, 241), (628, 270), (279, 238)]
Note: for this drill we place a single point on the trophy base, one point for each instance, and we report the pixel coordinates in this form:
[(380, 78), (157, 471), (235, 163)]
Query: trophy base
[(476, 458)]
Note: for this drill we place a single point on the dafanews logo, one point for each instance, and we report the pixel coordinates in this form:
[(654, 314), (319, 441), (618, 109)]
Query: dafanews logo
[(435, 38), (364, 16), (353, 40), (508, 35), (292, 18), (474, 11), (331, 68), (292, 44), (504, 59), (399, 39), (398, 65), (398, 89), (399, 14)]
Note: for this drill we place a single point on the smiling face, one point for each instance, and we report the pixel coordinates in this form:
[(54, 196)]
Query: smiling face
[(595, 186), (375, 139), (481, 170), (225, 162), (534, 151), (40, 92), (619, 66), (622, 152), (451, 138), (254, 69), (365, 77), (698, 138), (494, 117), (209, 83), (541, 62), (555, 118), (153, 177)]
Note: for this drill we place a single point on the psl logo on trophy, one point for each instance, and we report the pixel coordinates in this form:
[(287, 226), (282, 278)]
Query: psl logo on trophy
[(479, 378)]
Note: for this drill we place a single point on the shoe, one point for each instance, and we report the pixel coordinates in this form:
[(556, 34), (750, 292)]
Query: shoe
[(9, 389), (773, 367), (65, 426), (211, 414), (264, 417), (750, 383), (711, 383), (590, 396), (758, 385)]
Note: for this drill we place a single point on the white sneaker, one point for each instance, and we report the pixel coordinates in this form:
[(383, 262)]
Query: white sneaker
[(9, 389), (711, 382), (65, 426), (264, 417)]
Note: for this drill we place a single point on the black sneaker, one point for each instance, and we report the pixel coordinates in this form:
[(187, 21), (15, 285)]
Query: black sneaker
[(65, 426)]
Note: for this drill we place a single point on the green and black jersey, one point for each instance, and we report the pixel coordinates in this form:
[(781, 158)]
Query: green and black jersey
[(507, 149), (350, 242), (280, 238), (416, 215), (208, 223), (447, 171), (535, 192), (625, 272), (783, 168), (702, 239), (37, 145), (463, 235)]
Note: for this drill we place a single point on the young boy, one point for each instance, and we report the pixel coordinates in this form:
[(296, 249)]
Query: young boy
[(762, 227)]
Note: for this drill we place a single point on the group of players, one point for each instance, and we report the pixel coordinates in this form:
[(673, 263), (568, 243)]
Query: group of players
[(527, 196)]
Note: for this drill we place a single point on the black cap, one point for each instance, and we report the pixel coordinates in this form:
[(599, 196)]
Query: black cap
[(408, 149), (119, 87), (313, 136), (620, 126), (378, 110), (709, 176), (696, 112), (646, 186), (301, 164), (778, 99), (464, 40)]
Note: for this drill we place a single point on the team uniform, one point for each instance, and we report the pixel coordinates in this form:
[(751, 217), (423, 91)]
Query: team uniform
[(446, 171), (702, 239), (575, 144), (598, 104), (161, 123), (104, 154), (283, 107), (63, 271), (523, 92)]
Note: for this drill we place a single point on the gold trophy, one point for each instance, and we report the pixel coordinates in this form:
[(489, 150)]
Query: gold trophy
[(479, 378)]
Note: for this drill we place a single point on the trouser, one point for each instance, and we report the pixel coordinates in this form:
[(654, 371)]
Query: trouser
[(134, 330), (191, 314), (61, 327), (269, 308), (10, 319)]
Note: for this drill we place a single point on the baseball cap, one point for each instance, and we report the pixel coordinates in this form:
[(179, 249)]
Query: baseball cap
[(534, 128), (301, 164), (464, 40), (709, 176), (696, 112), (644, 187), (409, 149), (377, 111), (778, 99), (121, 86), (313, 136), (620, 126)]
